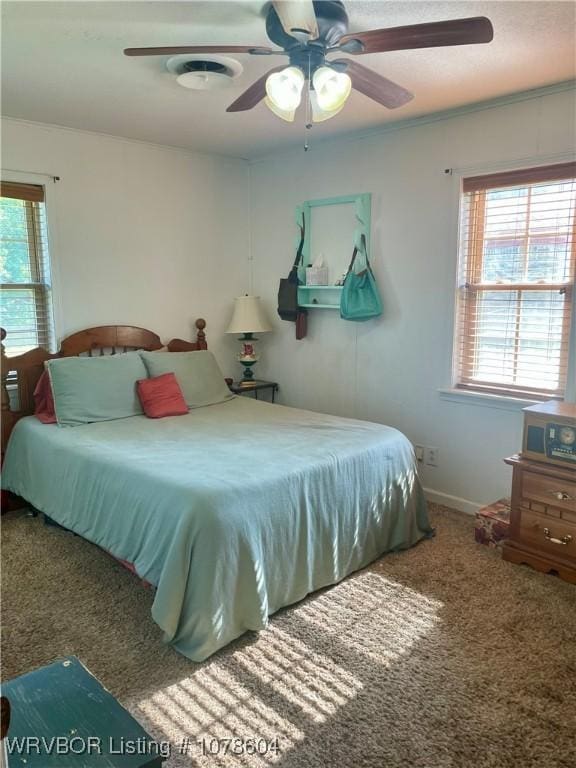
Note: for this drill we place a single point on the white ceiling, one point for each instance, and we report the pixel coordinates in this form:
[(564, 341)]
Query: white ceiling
[(62, 63)]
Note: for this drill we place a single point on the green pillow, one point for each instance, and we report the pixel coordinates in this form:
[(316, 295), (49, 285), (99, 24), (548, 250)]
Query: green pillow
[(87, 389), (198, 374)]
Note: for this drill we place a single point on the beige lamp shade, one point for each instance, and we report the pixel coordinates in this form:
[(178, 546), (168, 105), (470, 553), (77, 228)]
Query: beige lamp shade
[(248, 316)]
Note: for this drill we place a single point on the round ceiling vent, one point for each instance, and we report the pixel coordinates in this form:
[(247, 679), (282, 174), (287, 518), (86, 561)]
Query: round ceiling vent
[(204, 73)]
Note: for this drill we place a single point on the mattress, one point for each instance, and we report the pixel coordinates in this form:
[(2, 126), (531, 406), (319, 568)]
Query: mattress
[(231, 511)]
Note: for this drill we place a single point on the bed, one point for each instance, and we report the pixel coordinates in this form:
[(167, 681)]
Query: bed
[(232, 511)]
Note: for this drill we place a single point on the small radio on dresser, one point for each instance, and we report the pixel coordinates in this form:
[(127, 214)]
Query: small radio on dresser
[(550, 433)]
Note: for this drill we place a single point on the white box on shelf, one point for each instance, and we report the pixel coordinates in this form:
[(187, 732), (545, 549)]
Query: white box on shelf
[(317, 276)]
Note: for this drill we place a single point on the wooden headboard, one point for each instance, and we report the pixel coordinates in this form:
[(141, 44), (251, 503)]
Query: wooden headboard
[(20, 374)]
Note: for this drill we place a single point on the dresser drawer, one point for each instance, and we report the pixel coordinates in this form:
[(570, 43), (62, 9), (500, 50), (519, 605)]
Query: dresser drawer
[(549, 492), (552, 535)]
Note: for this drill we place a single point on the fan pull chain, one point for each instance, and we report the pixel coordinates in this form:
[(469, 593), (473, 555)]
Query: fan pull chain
[(308, 117)]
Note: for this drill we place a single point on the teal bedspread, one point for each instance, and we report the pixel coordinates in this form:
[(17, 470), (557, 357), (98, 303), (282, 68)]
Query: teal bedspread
[(231, 511)]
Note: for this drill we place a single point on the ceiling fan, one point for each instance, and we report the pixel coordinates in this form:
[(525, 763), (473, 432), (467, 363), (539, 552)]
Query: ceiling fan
[(310, 31)]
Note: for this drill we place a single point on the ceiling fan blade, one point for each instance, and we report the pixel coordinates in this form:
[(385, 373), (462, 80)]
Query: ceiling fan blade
[(373, 85), (297, 17), (252, 95), (256, 50), (436, 34)]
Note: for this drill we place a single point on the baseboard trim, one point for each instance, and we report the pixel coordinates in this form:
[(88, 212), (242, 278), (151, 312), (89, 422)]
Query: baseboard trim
[(462, 505)]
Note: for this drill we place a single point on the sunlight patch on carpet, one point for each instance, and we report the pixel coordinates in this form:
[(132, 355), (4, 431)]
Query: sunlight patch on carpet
[(308, 680), (216, 703), (374, 615), (278, 687), (212, 706)]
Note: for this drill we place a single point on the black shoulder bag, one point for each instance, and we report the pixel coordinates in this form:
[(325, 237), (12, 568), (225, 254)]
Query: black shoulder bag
[(288, 288)]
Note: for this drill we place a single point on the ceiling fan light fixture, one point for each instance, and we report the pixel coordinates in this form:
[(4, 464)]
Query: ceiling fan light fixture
[(306, 31), (284, 114), (319, 114), (332, 88), (284, 89)]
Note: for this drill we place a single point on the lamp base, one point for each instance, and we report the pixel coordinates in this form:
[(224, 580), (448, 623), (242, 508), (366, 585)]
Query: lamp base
[(248, 373), (248, 356)]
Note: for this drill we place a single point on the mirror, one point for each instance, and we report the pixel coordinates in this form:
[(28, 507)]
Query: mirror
[(332, 237), (333, 226)]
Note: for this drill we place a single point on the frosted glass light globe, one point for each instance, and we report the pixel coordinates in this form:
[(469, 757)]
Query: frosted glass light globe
[(319, 115), (284, 89), (284, 114), (332, 88)]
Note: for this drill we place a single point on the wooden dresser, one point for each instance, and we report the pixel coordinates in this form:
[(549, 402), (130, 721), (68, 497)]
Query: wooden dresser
[(543, 517)]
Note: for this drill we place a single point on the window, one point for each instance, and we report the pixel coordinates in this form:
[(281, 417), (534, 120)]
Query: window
[(26, 305), (516, 282)]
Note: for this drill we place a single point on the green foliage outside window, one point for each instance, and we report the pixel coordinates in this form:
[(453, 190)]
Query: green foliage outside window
[(25, 306)]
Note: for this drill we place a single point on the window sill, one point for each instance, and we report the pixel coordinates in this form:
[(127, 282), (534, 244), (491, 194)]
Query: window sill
[(485, 399)]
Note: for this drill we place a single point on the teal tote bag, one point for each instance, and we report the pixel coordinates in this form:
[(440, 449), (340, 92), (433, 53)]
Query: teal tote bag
[(360, 299)]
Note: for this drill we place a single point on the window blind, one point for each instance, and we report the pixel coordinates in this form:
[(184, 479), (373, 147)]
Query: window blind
[(26, 303), (516, 281)]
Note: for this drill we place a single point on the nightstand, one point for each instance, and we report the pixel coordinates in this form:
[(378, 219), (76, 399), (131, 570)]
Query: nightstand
[(255, 386), (543, 517)]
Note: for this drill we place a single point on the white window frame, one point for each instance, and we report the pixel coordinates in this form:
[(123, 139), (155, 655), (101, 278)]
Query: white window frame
[(499, 401), (50, 193)]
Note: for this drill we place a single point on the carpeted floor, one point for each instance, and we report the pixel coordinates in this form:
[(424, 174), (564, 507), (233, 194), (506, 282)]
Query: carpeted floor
[(440, 657)]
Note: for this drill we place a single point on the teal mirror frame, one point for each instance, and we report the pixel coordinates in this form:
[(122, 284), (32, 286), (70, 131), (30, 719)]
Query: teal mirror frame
[(362, 206), (328, 296)]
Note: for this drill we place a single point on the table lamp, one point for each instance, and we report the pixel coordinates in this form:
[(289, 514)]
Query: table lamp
[(248, 318)]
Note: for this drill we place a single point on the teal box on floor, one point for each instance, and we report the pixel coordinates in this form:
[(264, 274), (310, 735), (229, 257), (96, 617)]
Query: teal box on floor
[(493, 523), (62, 717)]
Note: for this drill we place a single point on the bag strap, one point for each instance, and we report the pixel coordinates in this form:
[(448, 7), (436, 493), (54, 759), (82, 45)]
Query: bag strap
[(355, 253), (299, 253)]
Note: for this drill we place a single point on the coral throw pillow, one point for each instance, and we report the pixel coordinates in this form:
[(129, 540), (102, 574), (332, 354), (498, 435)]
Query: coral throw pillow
[(44, 401), (161, 396)]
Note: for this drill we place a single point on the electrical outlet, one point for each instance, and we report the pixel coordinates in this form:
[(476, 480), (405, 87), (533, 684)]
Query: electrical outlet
[(419, 451), (431, 456)]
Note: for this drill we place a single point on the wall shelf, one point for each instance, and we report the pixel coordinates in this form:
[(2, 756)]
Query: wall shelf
[(319, 296)]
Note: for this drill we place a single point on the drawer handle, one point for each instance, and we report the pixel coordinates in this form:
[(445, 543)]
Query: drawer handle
[(561, 495), (564, 540)]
